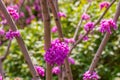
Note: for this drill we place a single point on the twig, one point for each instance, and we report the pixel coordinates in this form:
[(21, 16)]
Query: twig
[(19, 40), (57, 19), (80, 39), (1, 69), (7, 51), (47, 34), (58, 23), (103, 43), (80, 23)]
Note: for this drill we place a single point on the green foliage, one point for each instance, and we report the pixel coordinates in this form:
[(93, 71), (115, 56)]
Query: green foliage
[(108, 67)]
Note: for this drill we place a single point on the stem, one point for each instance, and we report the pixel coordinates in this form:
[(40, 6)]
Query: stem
[(7, 51), (80, 23), (58, 23), (1, 69), (47, 34), (103, 43), (19, 41), (57, 19), (97, 22)]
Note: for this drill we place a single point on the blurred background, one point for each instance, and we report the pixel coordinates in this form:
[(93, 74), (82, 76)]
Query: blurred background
[(31, 27)]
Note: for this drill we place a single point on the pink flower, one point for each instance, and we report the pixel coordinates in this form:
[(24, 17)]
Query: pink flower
[(13, 12), (89, 26), (107, 25), (54, 29), (61, 14), (40, 70), (70, 40), (11, 34), (85, 38), (104, 4), (56, 70), (71, 60), (3, 22), (2, 32), (85, 16), (90, 76), (1, 78)]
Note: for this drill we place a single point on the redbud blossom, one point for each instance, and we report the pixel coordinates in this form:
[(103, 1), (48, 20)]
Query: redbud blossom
[(85, 38), (69, 40), (90, 76), (13, 12), (1, 78), (40, 70), (54, 29), (2, 32), (11, 34), (104, 5), (107, 25), (89, 26), (56, 70), (57, 52), (85, 16), (71, 60), (61, 14)]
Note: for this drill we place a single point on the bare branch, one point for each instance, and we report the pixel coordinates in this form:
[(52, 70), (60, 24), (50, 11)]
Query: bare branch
[(19, 40), (47, 34), (103, 43)]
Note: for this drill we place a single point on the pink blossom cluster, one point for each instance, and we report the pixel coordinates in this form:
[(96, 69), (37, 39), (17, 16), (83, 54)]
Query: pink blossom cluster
[(2, 32), (104, 4), (90, 76), (85, 38), (89, 26), (61, 14), (54, 29), (57, 52), (40, 70), (107, 25), (71, 60), (13, 11), (1, 78), (11, 34), (85, 16), (69, 40), (56, 70)]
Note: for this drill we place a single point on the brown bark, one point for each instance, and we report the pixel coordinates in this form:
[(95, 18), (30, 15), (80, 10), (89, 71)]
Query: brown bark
[(103, 43), (47, 34), (19, 41)]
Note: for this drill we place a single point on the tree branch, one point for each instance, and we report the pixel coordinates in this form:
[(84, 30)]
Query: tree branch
[(47, 34), (100, 18), (80, 23), (103, 43), (20, 41)]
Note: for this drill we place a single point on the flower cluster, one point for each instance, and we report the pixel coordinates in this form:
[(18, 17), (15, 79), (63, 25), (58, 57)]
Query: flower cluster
[(2, 32), (61, 14), (104, 5), (71, 60), (54, 29), (107, 25), (89, 26), (40, 70), (13, 11), (1, 78), (56, 70), (57, 52), (69, 40), (85, 38), (11, 34), (85, 16), (90, 76)]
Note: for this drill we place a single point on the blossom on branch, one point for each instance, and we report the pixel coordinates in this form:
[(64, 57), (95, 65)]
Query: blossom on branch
[(54, 29), (61, 14), (40, 70), (56, 70), (85, 16), (89, 26), (104, 4), (107, 25), (90, 76), (57, 52)]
